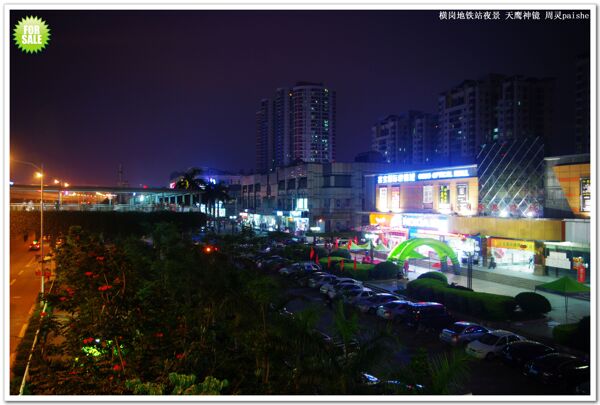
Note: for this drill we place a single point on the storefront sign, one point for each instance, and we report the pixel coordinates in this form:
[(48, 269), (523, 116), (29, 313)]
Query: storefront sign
[(462, 196), (427, 194), (452, 173), (513, 244), (425, 222), (585, 186)]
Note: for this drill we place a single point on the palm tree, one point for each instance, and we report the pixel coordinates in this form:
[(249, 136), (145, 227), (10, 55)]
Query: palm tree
[(213, 194), (190, 180)]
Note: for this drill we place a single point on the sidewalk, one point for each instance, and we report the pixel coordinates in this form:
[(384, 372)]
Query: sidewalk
[(540, 328)]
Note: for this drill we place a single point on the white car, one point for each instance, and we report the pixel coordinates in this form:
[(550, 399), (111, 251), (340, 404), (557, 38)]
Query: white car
[(352, 296), (491, 344)]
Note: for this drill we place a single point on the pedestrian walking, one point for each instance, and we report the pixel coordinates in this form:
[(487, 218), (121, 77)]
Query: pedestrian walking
[(406, 267), (492, 264)]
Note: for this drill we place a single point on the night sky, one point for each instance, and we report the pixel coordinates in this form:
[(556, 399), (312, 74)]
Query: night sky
[(161, 91)]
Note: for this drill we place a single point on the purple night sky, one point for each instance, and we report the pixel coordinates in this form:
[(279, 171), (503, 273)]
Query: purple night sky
[(161, 91)]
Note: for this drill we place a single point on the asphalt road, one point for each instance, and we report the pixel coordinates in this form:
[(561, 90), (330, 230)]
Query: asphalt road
[(24, 289), (486, 377)]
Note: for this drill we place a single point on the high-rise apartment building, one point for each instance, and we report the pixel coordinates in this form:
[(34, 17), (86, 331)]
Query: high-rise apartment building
[(467, 118), (493, 108), (582, 104), (424, 136), (299, 124), (313, 123), (524, 108), (404, 139), (264, 136)]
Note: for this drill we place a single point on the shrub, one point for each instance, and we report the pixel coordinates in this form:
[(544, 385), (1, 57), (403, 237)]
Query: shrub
[(434, 275), (533, 303), (575, 335), (345, 253), (385, 270), (487, 306)]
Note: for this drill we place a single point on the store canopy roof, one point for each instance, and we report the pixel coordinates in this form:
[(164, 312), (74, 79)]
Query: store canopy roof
[(569, 245), (564, 286)]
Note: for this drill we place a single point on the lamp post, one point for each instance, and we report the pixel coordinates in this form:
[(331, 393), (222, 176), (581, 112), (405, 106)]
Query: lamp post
[(470, 270), (40, 175)]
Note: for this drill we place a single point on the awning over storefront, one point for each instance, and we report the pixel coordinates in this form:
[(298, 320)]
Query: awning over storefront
[(568, 246)]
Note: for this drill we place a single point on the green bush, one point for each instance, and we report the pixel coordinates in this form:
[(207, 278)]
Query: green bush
[(575, 335), (434, 275), (385, 270), (343, 252), (487, 306), (533, 303)]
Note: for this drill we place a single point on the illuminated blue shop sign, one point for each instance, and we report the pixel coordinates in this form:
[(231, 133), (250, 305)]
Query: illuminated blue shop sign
[(451, 173)]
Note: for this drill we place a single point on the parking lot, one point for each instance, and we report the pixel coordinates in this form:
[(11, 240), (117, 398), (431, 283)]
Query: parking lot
[(486, 377)]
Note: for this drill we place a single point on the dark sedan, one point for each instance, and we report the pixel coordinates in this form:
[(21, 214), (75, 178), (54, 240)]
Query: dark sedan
[(559, 369), (519, 353)]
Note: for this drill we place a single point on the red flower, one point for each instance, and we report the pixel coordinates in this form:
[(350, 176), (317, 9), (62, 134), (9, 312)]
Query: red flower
[(179, 356), (63, 298), (72, 372), (43, 314), (88, 340), (88, 273), (104, 287), (100, 258), (116, 367), (158, 334)]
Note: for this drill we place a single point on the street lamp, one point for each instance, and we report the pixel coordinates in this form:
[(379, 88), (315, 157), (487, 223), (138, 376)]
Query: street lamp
[(40, 175)]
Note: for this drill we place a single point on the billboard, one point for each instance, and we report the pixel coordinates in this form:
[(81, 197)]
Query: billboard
[(585, 190)]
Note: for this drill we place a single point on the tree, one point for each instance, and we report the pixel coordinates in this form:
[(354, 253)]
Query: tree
[(213, 194), (190, 180)]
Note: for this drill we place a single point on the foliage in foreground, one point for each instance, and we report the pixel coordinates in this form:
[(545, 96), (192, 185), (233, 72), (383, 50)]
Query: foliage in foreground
[(165, 318)]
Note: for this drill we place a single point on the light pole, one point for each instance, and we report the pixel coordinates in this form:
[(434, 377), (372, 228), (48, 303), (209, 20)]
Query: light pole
[(40, 175)]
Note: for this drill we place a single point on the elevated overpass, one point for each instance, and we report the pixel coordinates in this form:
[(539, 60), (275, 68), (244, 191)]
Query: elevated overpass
[(103, 198)]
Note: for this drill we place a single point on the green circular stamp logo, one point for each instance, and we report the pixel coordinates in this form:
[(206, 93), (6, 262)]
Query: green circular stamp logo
[(31, 34)]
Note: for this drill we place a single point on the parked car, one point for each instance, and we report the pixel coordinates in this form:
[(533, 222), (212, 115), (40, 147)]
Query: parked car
[(462, 332), (560, 369), (491, 344), (304, 279), (393, 309), (317, 282), (338, 280), (519, 353), (431, 315), (303, 268), (339, 289), (351, 296), (370, 305), (373, 385), (274, 263)]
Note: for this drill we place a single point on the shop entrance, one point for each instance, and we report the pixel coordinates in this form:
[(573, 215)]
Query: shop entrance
[(406, 250)]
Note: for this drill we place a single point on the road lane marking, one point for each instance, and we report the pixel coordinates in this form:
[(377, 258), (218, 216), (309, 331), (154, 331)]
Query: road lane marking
[(30, 262), (21, 272), (16, 297), (23, 329), (13, 281)]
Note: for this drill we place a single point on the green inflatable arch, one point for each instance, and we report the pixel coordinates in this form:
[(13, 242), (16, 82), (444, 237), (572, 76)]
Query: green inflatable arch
[(406, 250)]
